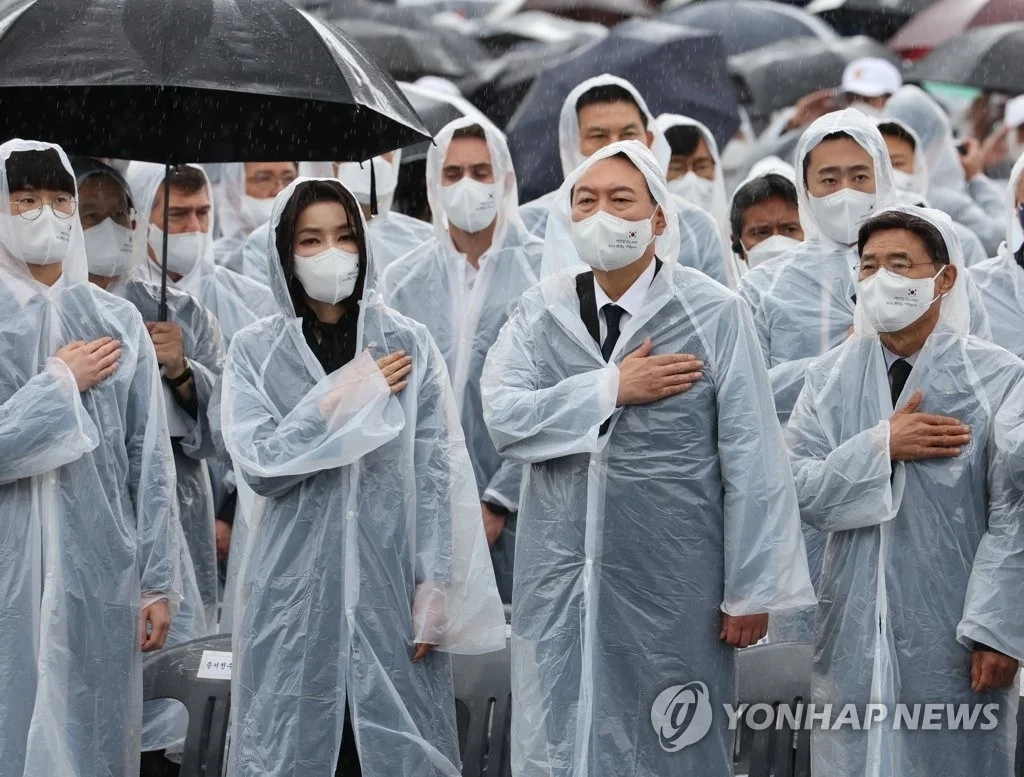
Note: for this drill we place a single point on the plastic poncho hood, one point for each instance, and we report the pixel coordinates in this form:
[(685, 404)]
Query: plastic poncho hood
[(569, 124)]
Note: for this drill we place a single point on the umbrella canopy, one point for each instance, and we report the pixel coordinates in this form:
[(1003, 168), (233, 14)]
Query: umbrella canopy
[(537, 26), (195, 81), (408, 53), (676, 69), (776, 76), (877, 18), (501, 85), (607, 12), (985, 57), (948, 18), (745, 25)]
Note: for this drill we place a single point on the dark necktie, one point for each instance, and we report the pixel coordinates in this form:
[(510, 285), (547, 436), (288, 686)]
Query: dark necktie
[(612, 318), (898, 374)]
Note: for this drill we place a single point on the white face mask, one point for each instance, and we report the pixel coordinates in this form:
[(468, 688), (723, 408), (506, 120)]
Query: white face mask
[(108, 248), (607, 242), (892, 302), (905, 182), (692, 188), (356, 177), (470, 205), (775, 246), (184, 250), (330, 276), (256, 212), (840, 214), (43, 240)]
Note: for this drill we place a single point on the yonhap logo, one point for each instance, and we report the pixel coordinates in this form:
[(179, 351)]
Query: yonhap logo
[(681, 716)]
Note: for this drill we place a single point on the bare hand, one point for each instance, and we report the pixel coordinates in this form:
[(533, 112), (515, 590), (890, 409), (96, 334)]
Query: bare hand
[(914, 436), (91, 363), (810, 108), (396, 367), (223, 529), (972, 161), (422, 648), (742, 631), (995, 148), (170, 350), (644, 378), (154, 623), (493, 524), (991, 669)]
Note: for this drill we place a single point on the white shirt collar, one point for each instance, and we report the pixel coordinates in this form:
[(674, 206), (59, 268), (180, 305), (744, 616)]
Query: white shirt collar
[(633, 300), (891, 357)]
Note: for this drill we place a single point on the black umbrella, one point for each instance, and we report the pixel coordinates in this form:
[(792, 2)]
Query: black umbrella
[(676, 69), (986, 57), (880, 19), (501, 85), (194, 80), (409, 53), (745, 25), (777, 76)]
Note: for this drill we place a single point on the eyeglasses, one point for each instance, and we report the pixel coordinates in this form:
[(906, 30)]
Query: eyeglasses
[(895, 266), (31, 208)]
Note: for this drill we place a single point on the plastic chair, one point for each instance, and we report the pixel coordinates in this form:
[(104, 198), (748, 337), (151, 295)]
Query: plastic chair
[(774, 674), (483, 707), (172, 674)]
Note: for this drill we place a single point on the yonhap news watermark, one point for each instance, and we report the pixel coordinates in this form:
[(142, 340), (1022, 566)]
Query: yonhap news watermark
[(682, 715)]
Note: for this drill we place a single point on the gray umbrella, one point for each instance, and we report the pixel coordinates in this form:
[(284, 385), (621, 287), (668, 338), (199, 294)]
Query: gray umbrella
[(985, 57)]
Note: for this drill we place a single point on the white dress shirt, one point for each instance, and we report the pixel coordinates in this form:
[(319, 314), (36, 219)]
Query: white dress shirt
[(632, 301), (891, 357)]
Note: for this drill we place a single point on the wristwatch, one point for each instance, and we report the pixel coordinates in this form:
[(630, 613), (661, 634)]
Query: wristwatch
[(182, 379)]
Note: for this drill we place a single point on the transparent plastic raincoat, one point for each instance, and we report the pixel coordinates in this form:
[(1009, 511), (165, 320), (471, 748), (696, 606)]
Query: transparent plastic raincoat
[(700, 246), (631, 544), (429, 285), (164, 722), (234, 223), (977, 204), (91, 532), (973, 248), (1001, 279), (234, 301), (803, 304), (366, 538), (923, 557)]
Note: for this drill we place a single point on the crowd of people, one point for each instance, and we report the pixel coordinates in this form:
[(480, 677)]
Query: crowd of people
[(671, 410)]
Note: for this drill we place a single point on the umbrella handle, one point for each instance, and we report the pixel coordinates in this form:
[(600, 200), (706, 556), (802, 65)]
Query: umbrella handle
[(162, 313)]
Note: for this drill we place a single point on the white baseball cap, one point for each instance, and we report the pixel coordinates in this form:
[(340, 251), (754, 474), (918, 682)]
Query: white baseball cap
[(1014, 115), (871, 77)]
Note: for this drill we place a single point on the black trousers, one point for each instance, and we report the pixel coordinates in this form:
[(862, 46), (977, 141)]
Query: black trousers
[(348, 757)]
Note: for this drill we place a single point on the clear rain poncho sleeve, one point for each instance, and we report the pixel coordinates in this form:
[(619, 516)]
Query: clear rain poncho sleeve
[(888, 629), (96, 521), (634, 542), (367, 540)]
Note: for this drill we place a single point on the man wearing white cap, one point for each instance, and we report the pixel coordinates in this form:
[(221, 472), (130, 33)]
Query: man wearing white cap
[(869, 82)]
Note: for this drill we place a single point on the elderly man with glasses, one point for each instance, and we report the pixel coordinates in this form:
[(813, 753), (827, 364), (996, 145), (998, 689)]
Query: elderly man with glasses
[(902, 442)]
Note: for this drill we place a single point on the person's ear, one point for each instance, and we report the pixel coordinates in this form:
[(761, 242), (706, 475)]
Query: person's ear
[(650, 139), (660, 224), (947, 280)]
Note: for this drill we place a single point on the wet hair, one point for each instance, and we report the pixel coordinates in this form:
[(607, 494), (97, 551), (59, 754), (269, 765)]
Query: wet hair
[(186, 179), (609, 93), (891, 129), (683, 139), (767, 187), (38, 170), (472, 131), (896, 219), (830, 137), (309, 193)]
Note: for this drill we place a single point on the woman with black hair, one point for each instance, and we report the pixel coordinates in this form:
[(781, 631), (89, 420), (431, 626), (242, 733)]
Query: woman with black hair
[(365, 543)]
